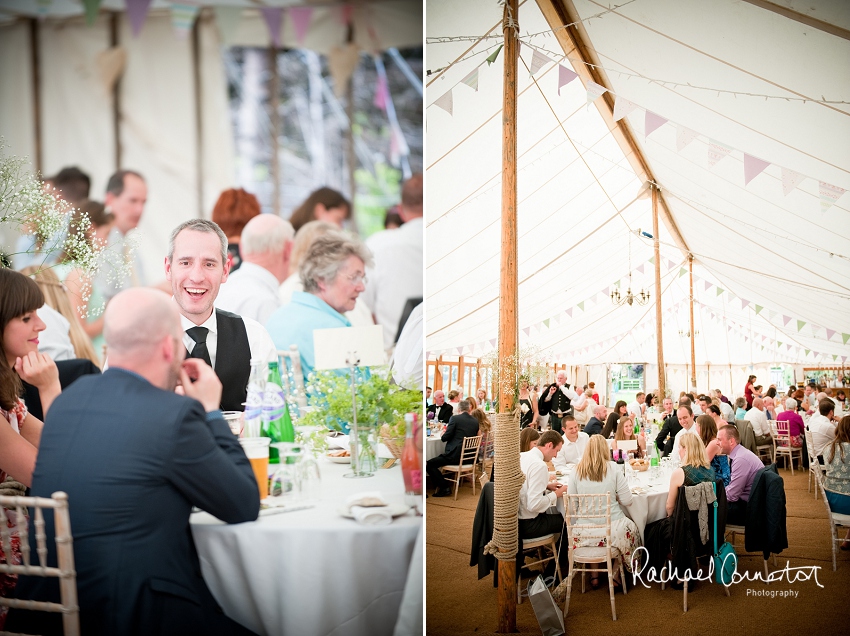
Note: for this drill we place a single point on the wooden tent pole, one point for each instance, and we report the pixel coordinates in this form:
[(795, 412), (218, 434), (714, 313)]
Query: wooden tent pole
[(199, 120), (508, 327), (114, 42), (35, 61), (274, 115), (693, 334), (657, 247)]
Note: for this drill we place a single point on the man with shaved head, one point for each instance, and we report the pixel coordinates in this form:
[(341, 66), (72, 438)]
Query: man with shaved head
[(134, 457), (758, 418), (265, 247)]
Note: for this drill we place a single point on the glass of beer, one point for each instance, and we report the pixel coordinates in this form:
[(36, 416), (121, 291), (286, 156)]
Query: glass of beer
[(257, 451)]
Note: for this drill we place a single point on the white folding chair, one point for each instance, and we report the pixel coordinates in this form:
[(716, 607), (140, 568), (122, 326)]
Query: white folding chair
[(815, 469), (591, 516), (297, 389), (836, 520), (782, 444), (549, 543), (64, 554), (468, 462)]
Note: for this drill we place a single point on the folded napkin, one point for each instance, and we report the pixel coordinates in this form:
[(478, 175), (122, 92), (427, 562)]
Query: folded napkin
[(369, 508)]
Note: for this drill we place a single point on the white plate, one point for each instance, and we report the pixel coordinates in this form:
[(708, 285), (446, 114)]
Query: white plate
[(396, 510), (339, 460)]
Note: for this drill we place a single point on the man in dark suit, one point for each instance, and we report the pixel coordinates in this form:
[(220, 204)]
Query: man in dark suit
[(555, 401), (597, 422), (134, 457), (460, 426), (671, 426), (440, 408)]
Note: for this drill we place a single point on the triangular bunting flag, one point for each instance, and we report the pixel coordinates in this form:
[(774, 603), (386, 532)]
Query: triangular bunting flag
[(594, 91), (753, 167), (788, 347), (538, 61), (92, 7), (719, 291), (569, 312), (845, 337), (492, 57), (274, 20), (227, 19), (684, 136), (807, 351), (651, 123), (137, 11), (546, 322), (682, 272), (707, 285), (652, 261), (829, 194), (557, 318), (493, 342), (834, 356), (183, 17), (640, 268), (445, 102), (342, 61), (527, 331), (744, 303), (622, 107), (716, 151), (829, 334), (606, 291), (565, 76), (790, 180), (800, 324), (581, 305), (785, 320), (758, 309), (471, 80), (459, 351), (300, 17)]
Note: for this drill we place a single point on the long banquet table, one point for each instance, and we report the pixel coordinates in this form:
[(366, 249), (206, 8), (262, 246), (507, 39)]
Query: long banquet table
[(312, 571)]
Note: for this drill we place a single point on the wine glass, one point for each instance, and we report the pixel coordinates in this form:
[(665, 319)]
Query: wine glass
[(285, 481)]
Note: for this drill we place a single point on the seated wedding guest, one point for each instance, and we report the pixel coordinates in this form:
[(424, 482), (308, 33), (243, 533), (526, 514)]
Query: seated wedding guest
[(707, 426), (575, 442), (595, 424), (591, 387), (719, 394), (56, 298), (528, 438), (455, 397), (637, 407), (133, 485), (837, 467), (822, 426), (440, 408), (461, 425), (537, 494), (626, 432), (726, 410), (686, 418), (232, 211), (757, 417), (650, 401), (740, 408), (324, 204), (196, 266), (769, 408), (597, 474), (485, 430), (693, 468), (669, 429), (481, 396), (252, 292), (583, 407), (360, 316), (744, 465), (473, 402), (620, 410), (796, 425)]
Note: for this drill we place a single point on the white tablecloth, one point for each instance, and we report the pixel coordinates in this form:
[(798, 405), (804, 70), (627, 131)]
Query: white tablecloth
[(434, 447), (312, 571)]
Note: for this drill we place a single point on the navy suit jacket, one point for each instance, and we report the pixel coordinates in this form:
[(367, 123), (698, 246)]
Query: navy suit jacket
[(593, 426), (134, 459), (460, 426)]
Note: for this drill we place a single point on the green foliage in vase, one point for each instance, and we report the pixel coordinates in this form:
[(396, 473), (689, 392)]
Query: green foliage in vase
[(378, 401), (528, 363)]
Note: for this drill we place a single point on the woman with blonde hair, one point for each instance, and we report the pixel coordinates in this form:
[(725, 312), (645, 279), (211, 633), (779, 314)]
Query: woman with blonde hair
[(707, 427), (597, 474), (693, 468), (626, 431), (56, 296)]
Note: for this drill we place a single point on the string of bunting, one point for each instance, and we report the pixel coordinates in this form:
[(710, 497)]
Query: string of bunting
[(716, 150)]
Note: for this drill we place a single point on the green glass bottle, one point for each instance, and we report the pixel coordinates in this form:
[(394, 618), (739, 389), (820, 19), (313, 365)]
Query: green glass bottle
[(274, 411)]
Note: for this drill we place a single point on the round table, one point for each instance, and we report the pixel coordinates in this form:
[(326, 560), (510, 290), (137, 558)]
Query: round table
[(313, 571), (434, 446)]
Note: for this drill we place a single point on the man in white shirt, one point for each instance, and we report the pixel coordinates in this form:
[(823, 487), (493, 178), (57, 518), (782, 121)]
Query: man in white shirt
[(761, 427), (575, 442), (727, 412), (636, 407), (397, 274), (126, 195), (196, 266), (685, 415), (822, 427), (537, 493), (810, 401), (407, 362), (252, 290)]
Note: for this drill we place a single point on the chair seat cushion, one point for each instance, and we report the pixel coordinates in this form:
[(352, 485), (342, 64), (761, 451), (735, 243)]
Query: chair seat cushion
[(542, 540), (593, 554)]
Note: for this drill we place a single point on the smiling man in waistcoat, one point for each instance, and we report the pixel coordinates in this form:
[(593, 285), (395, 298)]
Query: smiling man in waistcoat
[(555, 400), (196, 266)]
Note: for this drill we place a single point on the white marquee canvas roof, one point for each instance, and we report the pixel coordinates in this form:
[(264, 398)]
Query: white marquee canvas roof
[(771, 270)]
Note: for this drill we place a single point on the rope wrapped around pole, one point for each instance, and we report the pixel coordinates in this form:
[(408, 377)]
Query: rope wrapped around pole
[(509, 480)]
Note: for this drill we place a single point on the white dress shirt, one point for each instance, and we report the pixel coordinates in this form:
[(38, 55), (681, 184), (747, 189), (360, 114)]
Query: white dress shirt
[(396, 276), (571, 452), (727, 413), (251, 291), (534, 497), (823, 432), (360, 316), (407, 363), (759, 421), (260, 342), (635, 409), (684, 431), (55, 341)]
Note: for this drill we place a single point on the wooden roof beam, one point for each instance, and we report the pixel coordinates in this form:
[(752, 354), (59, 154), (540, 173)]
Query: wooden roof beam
[(575, 41)]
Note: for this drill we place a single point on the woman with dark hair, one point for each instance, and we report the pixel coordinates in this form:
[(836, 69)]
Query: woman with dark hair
[(324, 204), (837, 481), (620, 410), (748, 391), (528, 439), (232, 211), (527, 406), (707, 426), (626, 432)]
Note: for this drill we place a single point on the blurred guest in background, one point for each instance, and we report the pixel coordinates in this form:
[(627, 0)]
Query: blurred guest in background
[(324, 204), (232, 211)]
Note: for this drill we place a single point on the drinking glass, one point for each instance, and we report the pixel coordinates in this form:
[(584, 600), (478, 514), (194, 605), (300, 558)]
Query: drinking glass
[(285, 481), (257, 451), (235, 420)]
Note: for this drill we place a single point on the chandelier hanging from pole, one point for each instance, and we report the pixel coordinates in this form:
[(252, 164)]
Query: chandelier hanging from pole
[(641, 298)]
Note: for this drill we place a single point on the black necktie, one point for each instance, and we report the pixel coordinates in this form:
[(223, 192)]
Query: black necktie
[(200, 351)]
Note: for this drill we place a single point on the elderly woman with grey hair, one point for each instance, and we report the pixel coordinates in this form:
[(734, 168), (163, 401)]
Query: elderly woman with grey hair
[(333, 275)]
